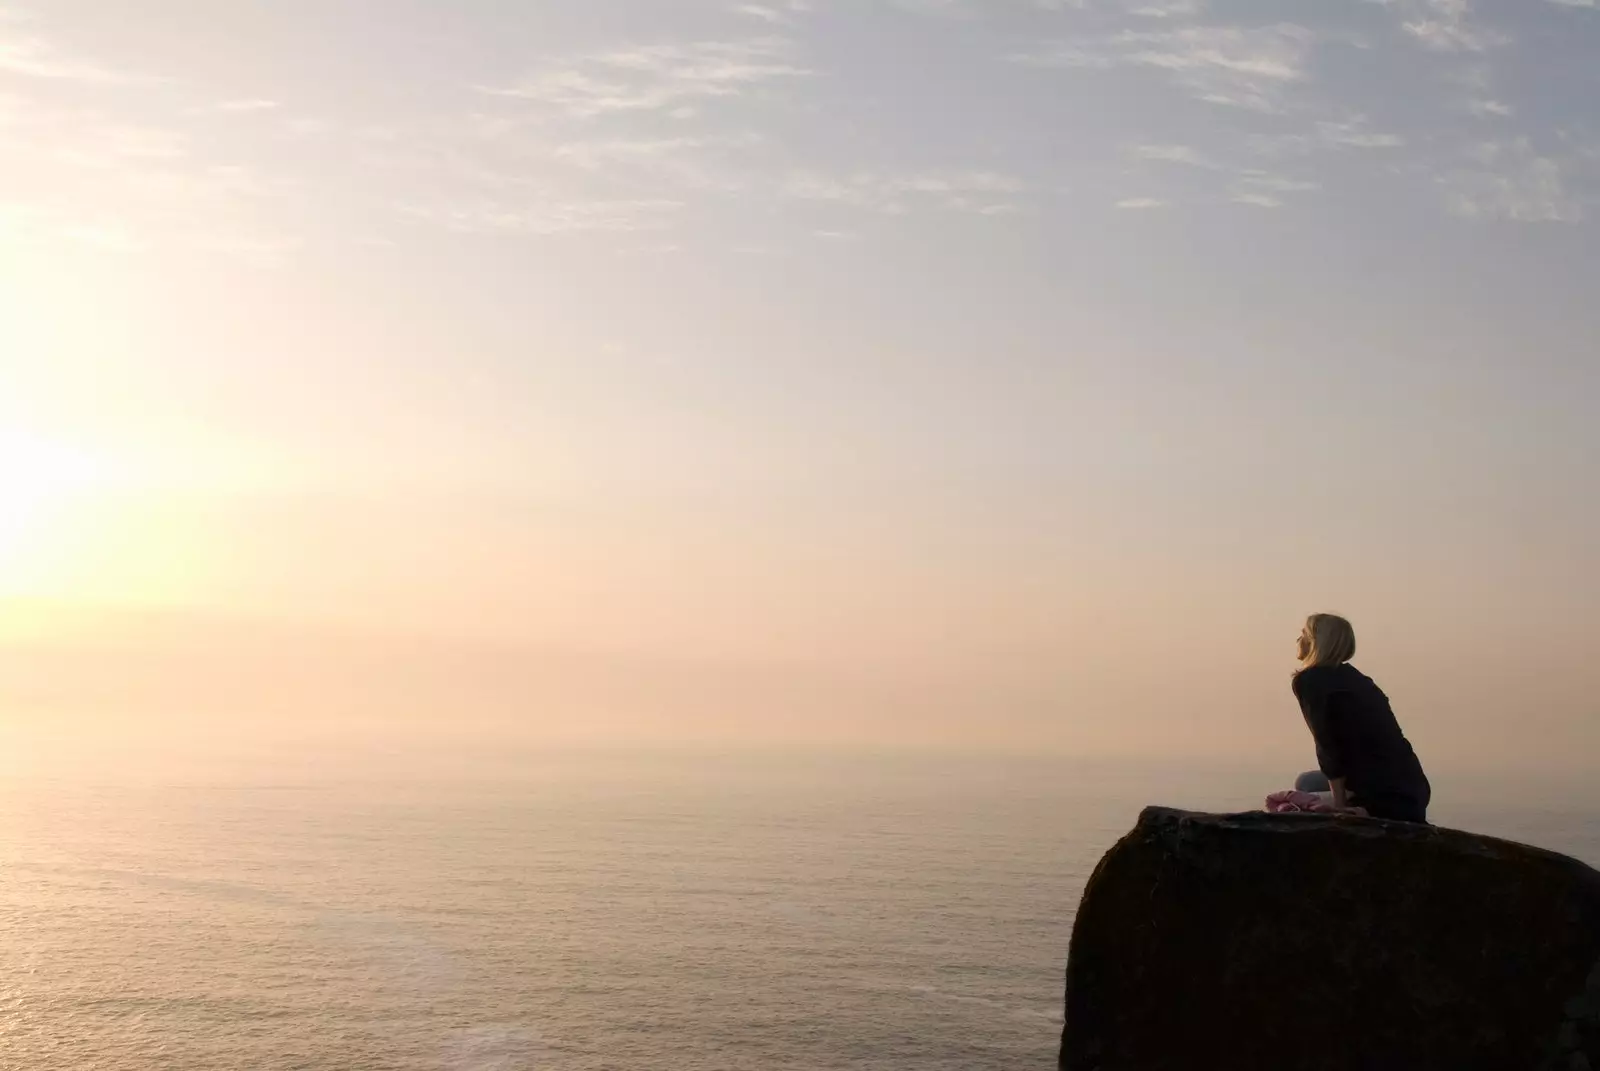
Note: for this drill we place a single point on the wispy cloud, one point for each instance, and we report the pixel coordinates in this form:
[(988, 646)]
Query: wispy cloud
[(936, 7), (108, 237), (32, 56), (310, 127), (1165, 9), (1449, 26), (1238, 66), (1171, 154), (16, 218), (1327, 135), (616, 140), (1355, 133), (775, 12), (37, 132), (969, 9), (685, 162), (1267, 180), (255, 250), (1265, 189), (254, 105), (97, 176), (656, 78), (546, 217), (982, 192), (1513, 181)]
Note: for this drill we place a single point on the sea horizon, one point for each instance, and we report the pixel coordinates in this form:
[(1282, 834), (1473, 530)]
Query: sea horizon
[(716, 912)]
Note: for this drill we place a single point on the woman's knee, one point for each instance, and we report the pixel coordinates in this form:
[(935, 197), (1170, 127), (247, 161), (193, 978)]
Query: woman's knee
[(1312, 781)]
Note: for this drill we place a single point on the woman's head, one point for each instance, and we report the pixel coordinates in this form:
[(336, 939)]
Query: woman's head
[(1327, 640)]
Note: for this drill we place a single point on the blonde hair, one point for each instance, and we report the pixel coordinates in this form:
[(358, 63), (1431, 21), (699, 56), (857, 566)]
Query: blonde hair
[(1333, 641)]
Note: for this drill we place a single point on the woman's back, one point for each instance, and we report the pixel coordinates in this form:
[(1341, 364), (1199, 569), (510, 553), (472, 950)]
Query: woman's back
[(1359, 739)]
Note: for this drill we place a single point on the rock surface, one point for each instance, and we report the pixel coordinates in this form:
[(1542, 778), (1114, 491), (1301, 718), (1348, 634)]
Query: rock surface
[(1318, 943)]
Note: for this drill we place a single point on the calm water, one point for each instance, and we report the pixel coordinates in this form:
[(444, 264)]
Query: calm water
[(677, 915)]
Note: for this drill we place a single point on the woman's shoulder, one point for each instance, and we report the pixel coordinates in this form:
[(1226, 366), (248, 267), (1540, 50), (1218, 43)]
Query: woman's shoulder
[(1314, 679)]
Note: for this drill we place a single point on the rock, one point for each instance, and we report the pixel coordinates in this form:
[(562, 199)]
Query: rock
[(1318, 943)]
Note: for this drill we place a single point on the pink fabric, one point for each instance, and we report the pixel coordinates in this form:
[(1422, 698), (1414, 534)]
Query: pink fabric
[(1293, 802), (1297, 802)]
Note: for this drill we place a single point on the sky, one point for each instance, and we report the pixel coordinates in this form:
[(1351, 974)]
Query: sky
[(1005, 375)]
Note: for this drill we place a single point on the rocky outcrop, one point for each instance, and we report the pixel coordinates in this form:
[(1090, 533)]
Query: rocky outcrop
[(1319, 943)]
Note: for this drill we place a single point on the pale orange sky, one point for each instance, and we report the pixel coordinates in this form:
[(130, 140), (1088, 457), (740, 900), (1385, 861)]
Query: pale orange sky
[(595, 380)]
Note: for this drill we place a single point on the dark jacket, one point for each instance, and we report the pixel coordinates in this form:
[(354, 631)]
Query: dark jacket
[(1359, 740)]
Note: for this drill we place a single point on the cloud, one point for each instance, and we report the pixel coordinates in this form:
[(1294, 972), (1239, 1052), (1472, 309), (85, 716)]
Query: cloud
[(1353, 133), (1511, 181), (38, 133), (967, 9), (546, 217), (1171, 154), (765, 14), (1236, 66), (114, 235), (936, 7), (110, 183), (596, 153), (34, 57), (310, 127), (540, 175), (779, 13), (1265, 189), (981, 192), (255, 250), (119, 142), (682, 161), (108, 237), (246, 106), (1449, 26), (655, 78), (17, 218), (1266, 180), (1165, 9), (609, 140)]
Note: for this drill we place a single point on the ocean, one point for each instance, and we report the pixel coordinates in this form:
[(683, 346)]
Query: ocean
[(584, 912)]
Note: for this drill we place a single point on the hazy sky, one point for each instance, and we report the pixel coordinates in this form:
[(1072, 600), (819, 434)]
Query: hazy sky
[(1014, 373)]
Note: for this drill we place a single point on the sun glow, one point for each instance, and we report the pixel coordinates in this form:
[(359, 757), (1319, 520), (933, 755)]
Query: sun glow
[(42, 483)]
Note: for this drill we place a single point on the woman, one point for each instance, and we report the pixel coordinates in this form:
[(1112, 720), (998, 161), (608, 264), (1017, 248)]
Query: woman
[(1366, 759)]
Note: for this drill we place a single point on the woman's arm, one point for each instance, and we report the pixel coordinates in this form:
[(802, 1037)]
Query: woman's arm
[(1316, 703), (1341, 801)]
